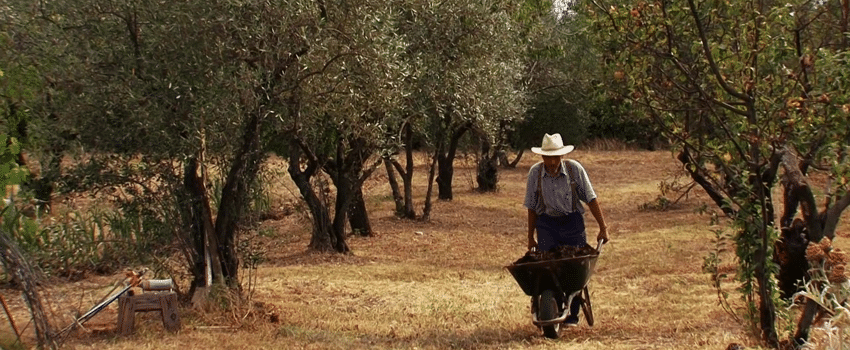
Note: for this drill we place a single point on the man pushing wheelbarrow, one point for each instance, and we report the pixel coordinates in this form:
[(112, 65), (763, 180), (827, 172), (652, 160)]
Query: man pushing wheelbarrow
[(559, 263)]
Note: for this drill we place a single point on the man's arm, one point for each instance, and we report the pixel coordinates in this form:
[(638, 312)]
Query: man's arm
[(600, 220), (532, 225)]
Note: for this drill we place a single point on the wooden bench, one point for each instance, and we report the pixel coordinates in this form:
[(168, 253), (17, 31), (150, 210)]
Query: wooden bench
[(157, 296)]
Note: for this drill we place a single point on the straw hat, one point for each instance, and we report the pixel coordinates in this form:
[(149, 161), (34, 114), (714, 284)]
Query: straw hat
[(552, 146)]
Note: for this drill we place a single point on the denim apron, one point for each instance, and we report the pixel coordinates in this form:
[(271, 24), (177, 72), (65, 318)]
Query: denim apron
[(554, 231)]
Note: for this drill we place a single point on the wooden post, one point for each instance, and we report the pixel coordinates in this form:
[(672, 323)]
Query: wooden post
[(170, 319), (126, 315)]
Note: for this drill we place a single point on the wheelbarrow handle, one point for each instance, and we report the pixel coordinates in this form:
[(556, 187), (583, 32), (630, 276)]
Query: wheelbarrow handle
[(599, 245)]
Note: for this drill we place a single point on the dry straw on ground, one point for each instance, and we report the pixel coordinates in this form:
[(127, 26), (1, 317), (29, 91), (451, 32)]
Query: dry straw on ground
[(441, 284)]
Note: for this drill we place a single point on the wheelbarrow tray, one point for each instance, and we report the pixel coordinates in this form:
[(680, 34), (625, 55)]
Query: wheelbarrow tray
[(571, 274)]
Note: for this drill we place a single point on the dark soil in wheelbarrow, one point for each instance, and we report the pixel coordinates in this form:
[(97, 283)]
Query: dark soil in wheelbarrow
[(562, 252)]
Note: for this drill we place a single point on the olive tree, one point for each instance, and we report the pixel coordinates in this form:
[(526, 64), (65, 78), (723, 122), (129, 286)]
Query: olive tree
[(160, 93), (466, 64), (749, 93), (154, 93), (560, 73), (562, 77), (339, 110)]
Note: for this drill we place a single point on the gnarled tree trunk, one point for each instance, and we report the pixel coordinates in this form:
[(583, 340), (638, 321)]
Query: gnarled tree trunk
[(344, 196), (503, 159), (323, 239), (406, 173), (358, 216), (488, 173), (445, 162), (206, 265), (396, 192), (426, 212), (797, 233), (234, 197)]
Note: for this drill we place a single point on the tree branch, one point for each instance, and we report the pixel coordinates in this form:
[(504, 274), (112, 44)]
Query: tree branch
[(325, 67), (833, 214), (686, 160), (312, 159), (798, 188), (769, 175), (610, 17), (711, 63)]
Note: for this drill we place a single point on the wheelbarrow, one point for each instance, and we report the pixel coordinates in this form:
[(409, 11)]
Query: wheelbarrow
[(550, 281)]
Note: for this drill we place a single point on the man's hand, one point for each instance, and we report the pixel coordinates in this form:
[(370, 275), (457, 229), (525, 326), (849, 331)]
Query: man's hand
[(603, 234), (600, 220), (532, 244)]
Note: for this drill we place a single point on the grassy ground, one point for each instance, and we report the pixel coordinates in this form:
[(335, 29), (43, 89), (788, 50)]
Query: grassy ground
[(442, 284)]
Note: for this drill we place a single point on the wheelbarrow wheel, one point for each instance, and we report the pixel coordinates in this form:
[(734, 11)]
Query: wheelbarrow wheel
[(549, 311), (586, 307)]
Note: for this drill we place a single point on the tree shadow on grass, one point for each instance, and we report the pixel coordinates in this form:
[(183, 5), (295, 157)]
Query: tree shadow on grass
[(485, 337), (311, 257)]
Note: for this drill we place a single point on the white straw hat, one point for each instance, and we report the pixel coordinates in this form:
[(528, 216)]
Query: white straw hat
[(552, 146)]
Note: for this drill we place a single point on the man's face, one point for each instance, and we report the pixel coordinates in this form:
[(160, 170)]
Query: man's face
[(551, 163)]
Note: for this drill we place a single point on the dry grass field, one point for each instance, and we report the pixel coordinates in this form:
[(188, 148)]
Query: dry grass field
[(442, 284)]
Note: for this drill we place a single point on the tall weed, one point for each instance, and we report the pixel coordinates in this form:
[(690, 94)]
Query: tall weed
[(98, 240), (828, 286)]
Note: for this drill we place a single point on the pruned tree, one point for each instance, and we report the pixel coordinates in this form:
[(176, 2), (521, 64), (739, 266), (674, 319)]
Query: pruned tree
[(748, 92)]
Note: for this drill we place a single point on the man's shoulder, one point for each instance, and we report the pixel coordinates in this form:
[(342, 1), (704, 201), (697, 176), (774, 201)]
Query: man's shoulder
[(574, 164)]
